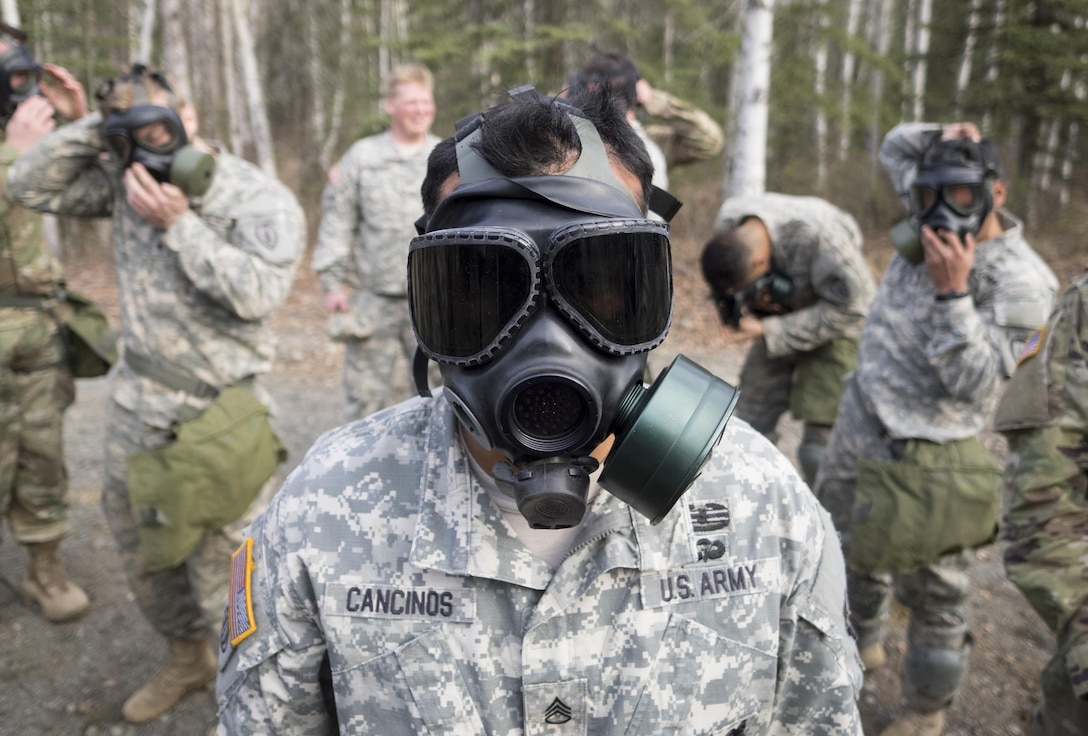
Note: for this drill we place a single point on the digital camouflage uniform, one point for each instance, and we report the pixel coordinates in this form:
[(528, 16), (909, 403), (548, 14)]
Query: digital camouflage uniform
[(383, 552), (370, 206), (928, 370), (1045, 416), (682, 132), (193, 300), (804, 354), (35, 383)]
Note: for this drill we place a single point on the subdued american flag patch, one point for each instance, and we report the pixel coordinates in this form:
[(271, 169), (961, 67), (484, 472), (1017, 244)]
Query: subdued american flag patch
[(1032, 345), (240, 602)]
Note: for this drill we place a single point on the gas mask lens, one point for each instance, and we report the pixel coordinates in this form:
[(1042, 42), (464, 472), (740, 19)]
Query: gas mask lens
[(964, 198), (471, 289), (151, 127)]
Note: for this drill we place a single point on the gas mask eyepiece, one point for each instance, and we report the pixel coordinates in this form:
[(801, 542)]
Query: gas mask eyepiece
[(154, 136), (953, 190)]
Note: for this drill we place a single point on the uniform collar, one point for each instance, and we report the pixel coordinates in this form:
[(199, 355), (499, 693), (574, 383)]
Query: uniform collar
[(461, 532)]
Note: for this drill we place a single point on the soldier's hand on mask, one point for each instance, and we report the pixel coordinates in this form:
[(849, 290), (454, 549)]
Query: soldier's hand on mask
[(64, 91), (160, 204), (334, 301), (32, 119), (748, 328), (948, 259), (952, 131)]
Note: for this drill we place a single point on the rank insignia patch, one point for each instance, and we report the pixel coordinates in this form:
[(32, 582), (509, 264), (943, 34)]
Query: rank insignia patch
[(240, 601), (1031, 345)]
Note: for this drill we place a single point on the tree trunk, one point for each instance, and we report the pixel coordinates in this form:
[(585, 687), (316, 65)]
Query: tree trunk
[(175, 47), (750, 156), (147, 30), (963, 77), (848, 63), (9, 9), (236, 115), (820, 62), (880, 34), (921, 50), (258, 114), (993, 56)]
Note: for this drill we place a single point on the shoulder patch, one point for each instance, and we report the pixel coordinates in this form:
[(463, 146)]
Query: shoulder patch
[(1032, 345), (240, 618)]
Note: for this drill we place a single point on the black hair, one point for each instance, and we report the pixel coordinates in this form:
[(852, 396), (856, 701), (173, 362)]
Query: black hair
[(533, 135), (615, 72), (725, 262)]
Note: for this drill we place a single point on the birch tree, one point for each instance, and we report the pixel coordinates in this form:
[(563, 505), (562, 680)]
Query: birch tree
[(258, 114), (853, 18), (750, 154), (921, 52), (963, 76), (820, 62), (880, 34)]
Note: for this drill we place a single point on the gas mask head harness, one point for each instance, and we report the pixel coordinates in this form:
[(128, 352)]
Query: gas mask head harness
[(153, 135), (20, 73), (539, 297), (952, 190)]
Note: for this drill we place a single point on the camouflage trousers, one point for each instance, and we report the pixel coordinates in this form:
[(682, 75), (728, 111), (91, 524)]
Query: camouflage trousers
[(1046, 527), (378, 368), (808, 385), (938, 639), (35, 389), (183, 602)]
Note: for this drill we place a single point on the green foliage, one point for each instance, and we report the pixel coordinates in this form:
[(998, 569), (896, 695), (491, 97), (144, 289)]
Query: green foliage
[(1038, 53)]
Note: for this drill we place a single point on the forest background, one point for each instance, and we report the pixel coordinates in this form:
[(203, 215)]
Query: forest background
[(292, 83)]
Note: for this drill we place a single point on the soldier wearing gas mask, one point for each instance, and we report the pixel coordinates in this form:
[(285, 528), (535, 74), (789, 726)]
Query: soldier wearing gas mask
[(36, 382), (206, 247), (788, 273), (906, 477), (547, 544)]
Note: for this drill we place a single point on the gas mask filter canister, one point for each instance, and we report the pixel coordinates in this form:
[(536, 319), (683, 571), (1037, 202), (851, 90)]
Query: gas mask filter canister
[(154, 136)]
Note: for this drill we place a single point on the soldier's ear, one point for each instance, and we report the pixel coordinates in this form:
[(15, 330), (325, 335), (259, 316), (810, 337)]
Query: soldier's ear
[(1001, 191)]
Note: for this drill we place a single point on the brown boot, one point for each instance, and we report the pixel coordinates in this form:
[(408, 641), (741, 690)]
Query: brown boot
[(192, 665), (914, 723), (45, 584)]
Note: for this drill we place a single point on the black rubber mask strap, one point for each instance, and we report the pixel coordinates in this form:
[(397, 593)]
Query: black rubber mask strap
[(592, 162)]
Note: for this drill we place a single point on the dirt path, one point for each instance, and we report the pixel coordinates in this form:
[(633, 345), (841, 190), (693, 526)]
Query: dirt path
[(71, 679)]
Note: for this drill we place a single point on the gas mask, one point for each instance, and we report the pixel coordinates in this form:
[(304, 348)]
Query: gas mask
[(948, 194), (154, 136), (19, 75), (540, 297)]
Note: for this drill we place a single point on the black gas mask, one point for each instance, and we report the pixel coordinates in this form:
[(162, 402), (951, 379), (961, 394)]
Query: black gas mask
[(952, 190), (20, 73), (540, 298), (771, 293), (154, 136)]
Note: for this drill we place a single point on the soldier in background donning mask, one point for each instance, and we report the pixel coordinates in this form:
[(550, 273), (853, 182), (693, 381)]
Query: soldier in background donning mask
[(788, 272), (206, 246), (906, 477), (36, 381)]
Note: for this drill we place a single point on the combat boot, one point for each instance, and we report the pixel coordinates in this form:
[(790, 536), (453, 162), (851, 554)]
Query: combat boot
[(45, 584), (191, 666), (916, 724), (873, 657)]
